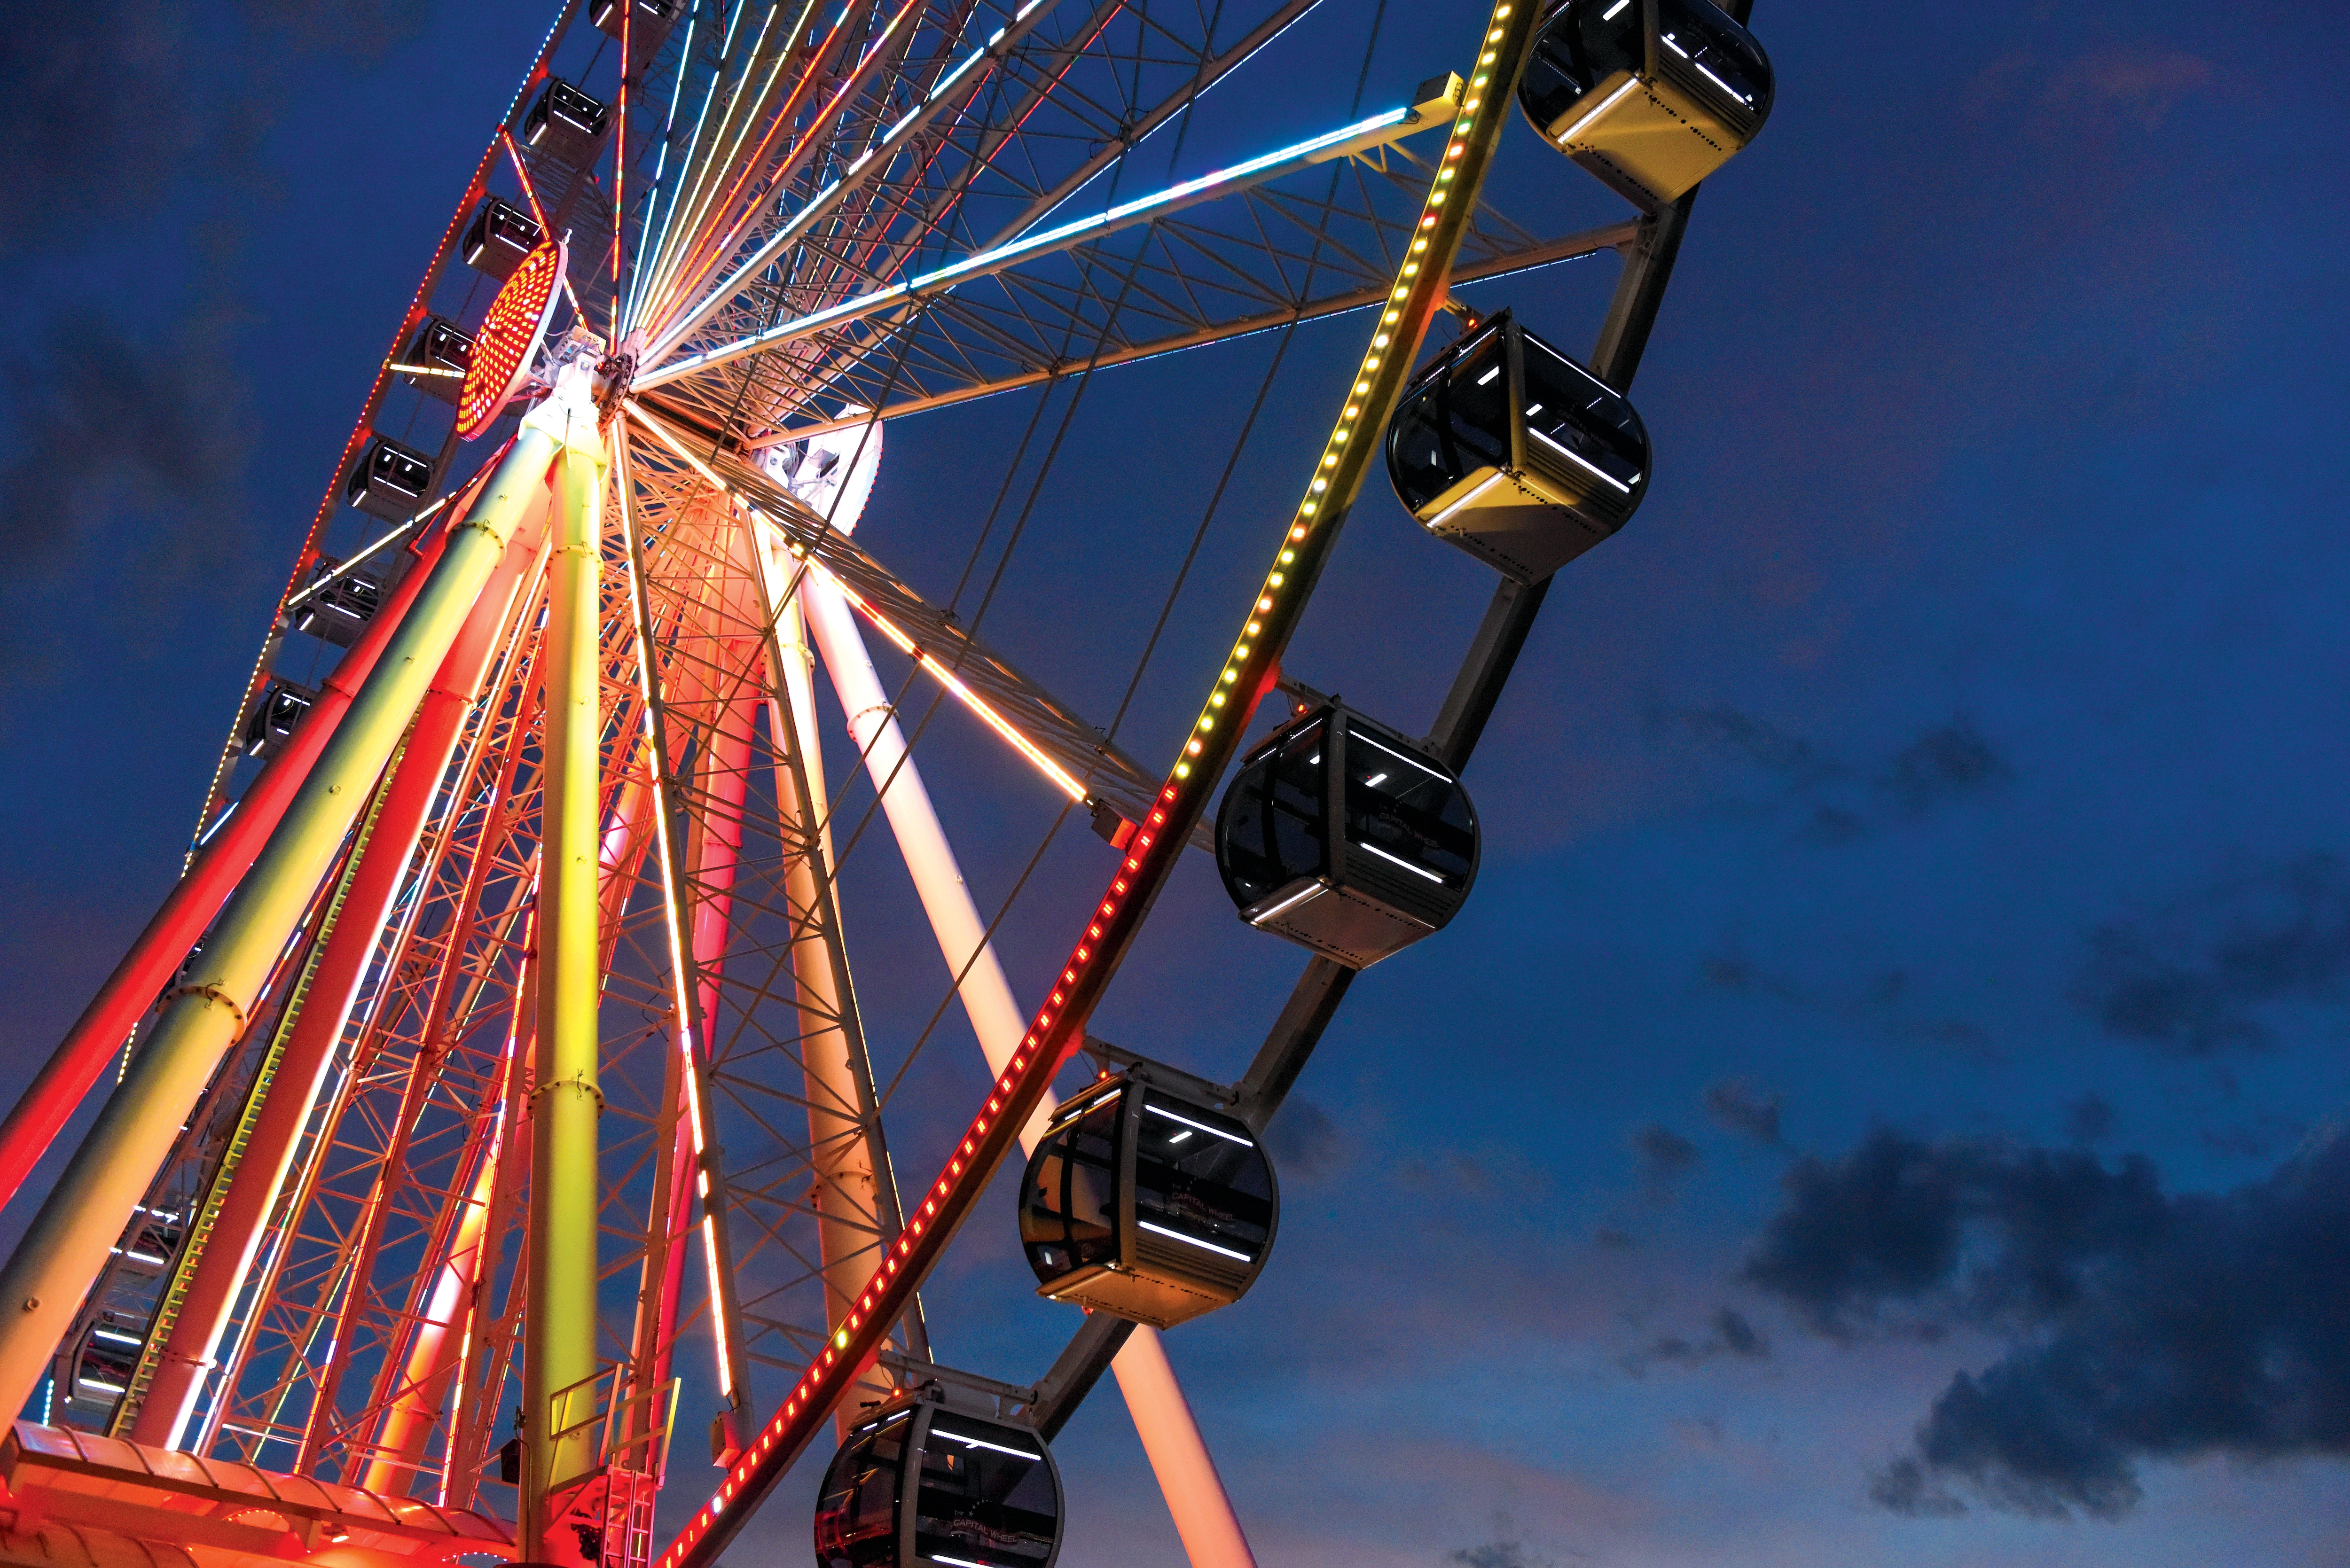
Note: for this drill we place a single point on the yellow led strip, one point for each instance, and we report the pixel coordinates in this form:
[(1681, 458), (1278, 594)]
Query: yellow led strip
[(1060, 1027)]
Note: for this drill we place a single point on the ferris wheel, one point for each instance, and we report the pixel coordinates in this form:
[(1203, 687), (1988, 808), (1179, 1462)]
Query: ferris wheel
[(501, 1048)]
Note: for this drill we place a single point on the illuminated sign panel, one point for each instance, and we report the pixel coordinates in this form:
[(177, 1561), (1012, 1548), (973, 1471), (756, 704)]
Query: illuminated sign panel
[(509, 339)]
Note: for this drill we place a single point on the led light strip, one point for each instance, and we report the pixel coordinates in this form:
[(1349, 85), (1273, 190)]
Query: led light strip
[(874, 159), (744, 111), (1143, 208), (971, 1442), (1292, 902), (1579, 460), (1062, 778), (530, 193), (1199, 1126), (1193, 1240), (673, 926), (1159, 839), (1571, 131), (981, 708)]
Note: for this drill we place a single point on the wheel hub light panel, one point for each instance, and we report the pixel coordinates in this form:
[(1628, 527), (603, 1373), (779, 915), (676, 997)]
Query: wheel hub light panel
[(509, 339)]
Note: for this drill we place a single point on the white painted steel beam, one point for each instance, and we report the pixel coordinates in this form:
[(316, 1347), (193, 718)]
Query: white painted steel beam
[(1211, 1532)]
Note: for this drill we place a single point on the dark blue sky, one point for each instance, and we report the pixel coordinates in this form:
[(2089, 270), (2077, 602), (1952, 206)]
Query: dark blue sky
[(1883, 1103)]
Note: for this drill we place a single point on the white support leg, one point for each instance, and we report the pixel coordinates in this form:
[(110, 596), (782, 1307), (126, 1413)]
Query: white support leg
[(1187, 1475)]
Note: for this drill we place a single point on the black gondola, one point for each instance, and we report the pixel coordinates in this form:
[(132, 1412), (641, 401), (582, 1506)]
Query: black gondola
[(920, 1482), (564, 122), (440, 346), (1343, 835), (282, 708), (1145, 1204), (152, 1239), (499, 238), (1512, 450), (106, 1361), (1651, 96), (337, 608), (390, 480)]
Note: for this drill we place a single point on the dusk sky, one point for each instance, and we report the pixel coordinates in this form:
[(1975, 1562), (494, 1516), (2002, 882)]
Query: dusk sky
[(1883, 1101)]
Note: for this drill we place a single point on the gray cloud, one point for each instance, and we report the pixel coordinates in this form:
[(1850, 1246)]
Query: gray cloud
[(1950, 760), (1884, 1004), (127, 445), (1505, 1551), (1302, 1139), (1759, 742), (1496, 1554), (111, 108), (132, 123), (1730, 1335), (2259, 1138), (1742, 1108), (1665, 1156), (2088, 1120), (2188, 981), (1832, 800), (2144, 1326)]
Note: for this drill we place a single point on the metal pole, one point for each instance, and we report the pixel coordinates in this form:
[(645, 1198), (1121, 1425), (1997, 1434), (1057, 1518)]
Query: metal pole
[(50, 1100), (559, 1323), (1210, 1530), (855, 1197), (432, 1360), (67, 1242)]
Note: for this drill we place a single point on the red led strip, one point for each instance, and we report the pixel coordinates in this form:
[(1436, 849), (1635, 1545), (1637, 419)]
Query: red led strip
[(509, 337), (1421, 287)]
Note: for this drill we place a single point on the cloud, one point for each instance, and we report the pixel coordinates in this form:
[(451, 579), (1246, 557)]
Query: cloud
[(1665, 1156), (2096, 97), (123, 443), (2143, 1326), (2088, 1119), (1504, 1551), (111, 108), (102, 420), (1303, 1139), (1837, 801), (1760, 742), (1905, 1487), (1950, 760), (1884, 1004), (1740, 1107), (1496, 1554), (1731, 1334), (2257, 1139), (2187, 980), (134, 126)]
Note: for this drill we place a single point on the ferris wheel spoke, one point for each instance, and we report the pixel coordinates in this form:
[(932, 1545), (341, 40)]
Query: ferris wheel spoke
[(880, 95), (1346, 141), (1045, 732), (1266, 256), (777, 1009), (1072, 89), (915, 394)]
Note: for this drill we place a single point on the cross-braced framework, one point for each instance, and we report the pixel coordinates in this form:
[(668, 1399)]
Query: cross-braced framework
[(341, 1125)]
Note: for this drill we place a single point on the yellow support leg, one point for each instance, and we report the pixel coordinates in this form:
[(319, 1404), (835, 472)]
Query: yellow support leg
[(559, 1428)]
